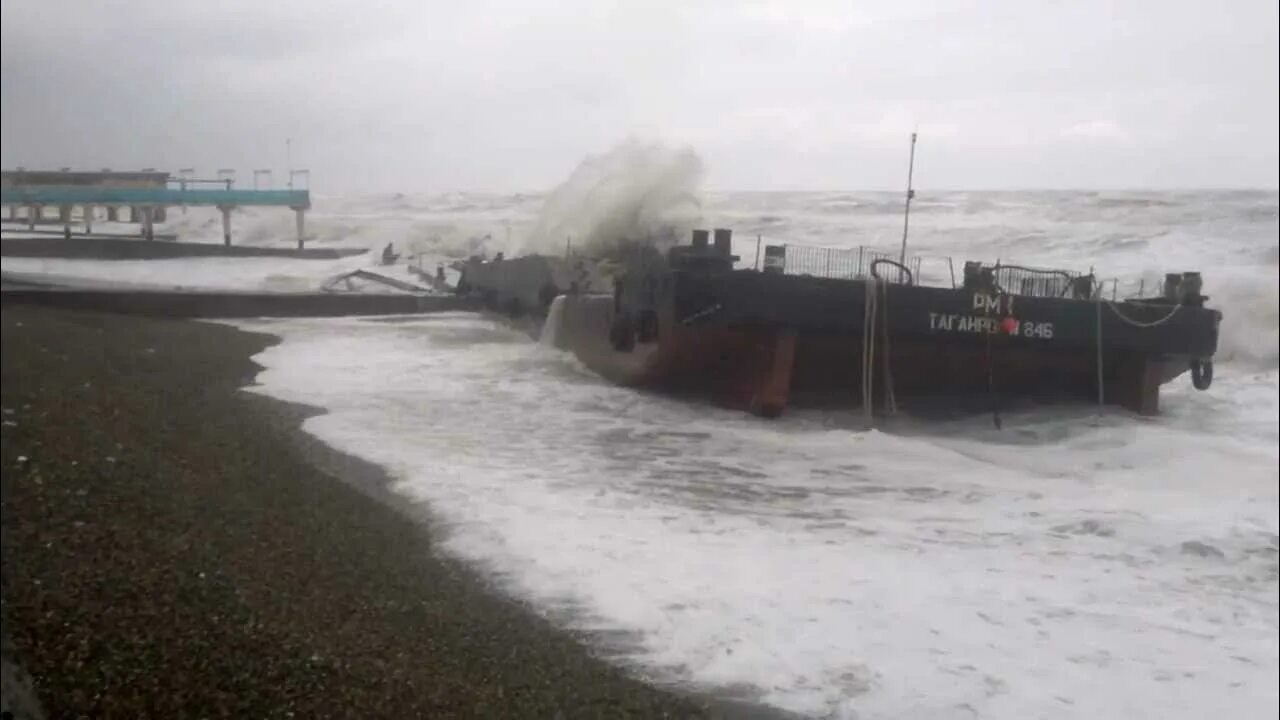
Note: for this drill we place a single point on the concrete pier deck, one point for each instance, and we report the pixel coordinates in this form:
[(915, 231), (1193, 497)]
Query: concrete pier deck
[(170, 197), (208, 304), (103, 248)]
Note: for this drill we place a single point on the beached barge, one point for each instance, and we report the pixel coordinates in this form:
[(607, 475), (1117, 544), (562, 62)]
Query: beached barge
[(853, 326)]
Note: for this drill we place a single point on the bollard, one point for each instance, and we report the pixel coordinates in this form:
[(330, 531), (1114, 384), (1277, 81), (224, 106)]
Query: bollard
[(724, 241)]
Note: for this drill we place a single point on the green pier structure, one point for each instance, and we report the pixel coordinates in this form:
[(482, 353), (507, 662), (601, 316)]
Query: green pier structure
[(146, 195)]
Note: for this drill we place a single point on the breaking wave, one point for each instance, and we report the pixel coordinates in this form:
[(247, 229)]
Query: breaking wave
[(638, 191), (1250, 330)]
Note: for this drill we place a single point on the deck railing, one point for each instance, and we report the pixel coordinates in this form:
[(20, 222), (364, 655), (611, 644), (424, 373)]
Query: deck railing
[(1035, 282), (840, 263)]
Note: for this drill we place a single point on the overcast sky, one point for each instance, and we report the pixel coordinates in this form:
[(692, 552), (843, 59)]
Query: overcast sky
[(413, 95)]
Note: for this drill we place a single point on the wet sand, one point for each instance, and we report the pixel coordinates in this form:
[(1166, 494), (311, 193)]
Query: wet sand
[(175, 547)]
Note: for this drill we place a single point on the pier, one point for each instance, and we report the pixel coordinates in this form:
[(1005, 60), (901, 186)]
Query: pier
[(226, 304), (146, 195), (103, 247)]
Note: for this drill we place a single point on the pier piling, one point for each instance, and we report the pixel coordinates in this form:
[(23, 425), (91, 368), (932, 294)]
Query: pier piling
[(226, 224), (146, 196), (148, 222)]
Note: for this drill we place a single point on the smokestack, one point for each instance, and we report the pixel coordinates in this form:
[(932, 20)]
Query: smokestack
[(724, 241), (700, 239)]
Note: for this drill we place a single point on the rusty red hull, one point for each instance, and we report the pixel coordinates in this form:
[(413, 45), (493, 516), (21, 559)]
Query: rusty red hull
[(764, 370)]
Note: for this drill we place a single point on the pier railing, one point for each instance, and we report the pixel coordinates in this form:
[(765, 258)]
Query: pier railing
[(72, 195)]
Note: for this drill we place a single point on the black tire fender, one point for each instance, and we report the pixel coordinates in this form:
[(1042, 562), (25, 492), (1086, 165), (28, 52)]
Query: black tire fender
[(1201, 374)]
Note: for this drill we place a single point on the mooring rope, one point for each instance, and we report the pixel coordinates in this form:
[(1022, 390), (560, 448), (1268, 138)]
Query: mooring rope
[(1137, 323), (1098, 302), (891, 403), (1097, 307), (991, 379), (875, 311), (868, 347)]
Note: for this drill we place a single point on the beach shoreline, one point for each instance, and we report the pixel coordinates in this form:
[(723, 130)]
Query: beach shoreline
[(174, 545)]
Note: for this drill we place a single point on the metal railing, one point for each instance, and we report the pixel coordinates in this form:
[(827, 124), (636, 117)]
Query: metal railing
[(1034, 282), (857, 262), (845, 263)]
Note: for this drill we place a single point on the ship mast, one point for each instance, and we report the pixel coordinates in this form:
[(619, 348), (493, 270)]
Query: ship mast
[(906, 213)]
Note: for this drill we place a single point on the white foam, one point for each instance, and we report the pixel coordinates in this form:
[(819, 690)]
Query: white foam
[(550, 334), (924, 571), (637, 191), (1065, 567), (941, 570)]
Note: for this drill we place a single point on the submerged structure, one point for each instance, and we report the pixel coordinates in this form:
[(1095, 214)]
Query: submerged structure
[(853, 326)]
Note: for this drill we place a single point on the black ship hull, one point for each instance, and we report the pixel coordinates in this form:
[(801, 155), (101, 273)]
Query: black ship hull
[(761, 340)]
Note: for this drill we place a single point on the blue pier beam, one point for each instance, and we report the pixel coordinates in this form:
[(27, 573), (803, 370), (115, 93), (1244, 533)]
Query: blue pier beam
[(149, 199), (70, 195)]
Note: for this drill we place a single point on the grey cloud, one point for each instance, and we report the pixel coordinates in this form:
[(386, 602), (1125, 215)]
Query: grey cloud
[(509, 95)]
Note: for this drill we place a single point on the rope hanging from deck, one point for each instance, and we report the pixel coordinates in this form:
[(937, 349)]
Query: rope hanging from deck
[(875, 312), (1098, 302), (868, 346), (1097, 307), (991, 375), (891, 403), (1140, 324)]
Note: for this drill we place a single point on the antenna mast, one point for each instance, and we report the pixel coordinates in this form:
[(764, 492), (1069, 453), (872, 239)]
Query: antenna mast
[(906, 213)]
